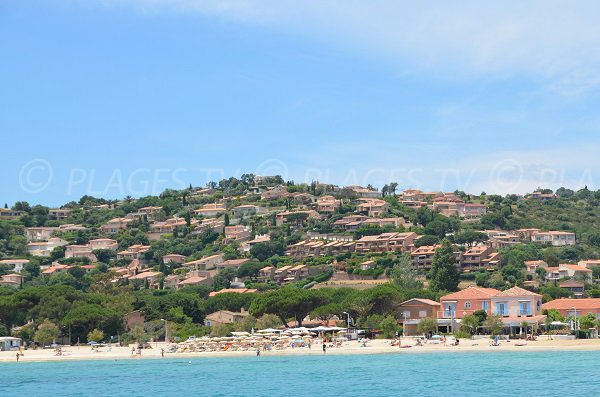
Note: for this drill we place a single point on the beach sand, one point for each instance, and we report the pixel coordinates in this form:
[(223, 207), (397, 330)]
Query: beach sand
[(378, 346)]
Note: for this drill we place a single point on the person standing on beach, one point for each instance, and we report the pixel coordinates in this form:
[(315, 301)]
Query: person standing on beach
[(18, 355), (162, 353), (324, 347)]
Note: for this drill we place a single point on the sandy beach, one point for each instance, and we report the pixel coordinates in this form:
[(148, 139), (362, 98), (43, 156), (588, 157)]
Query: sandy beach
[(378, 346)]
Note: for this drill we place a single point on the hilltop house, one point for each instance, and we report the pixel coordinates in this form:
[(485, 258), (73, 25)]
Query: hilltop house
[(387, 242)]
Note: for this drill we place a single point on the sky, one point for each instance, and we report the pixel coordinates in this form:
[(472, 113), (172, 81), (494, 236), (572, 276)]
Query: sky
[(129, 97)]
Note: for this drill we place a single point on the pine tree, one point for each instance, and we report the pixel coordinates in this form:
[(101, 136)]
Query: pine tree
[(444, 274)]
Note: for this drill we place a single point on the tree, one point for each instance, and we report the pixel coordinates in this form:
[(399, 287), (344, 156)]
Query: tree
[(265, 250), (139, 333), (493, 324), (427, 240), (427, 325), (95, 335), (46, 332), (470, 323), (469, 237), (286, 303), (389, 326), (403, 274), (444, 274), (104, 255)]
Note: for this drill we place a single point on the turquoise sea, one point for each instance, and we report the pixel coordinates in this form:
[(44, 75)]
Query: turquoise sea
[(441, 374)]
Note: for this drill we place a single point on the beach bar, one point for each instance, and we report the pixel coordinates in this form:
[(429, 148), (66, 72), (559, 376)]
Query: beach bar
[(8, 343)]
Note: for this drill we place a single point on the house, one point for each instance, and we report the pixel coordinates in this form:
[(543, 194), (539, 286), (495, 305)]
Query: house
[(211, 210), (103, 243), (80, 251), (466, 302), (148, 213), (296, 273), (422, 257), (501, 239), (237, 233), (11, 280), (266, 273), (410, 312), (54, 268), (116, 224), (479, 257), (194, 280), (372, 207), (203, 225), (40, 233), (575, 271), (259, 238), (133, 252), (538, 195), (6, 213), (419, 195), (274, 193), (575, 286), (17, 265), (555, 238), (368, 265), (59, 214), (295, 218), (302, 198), (471, 211), (232, 264), (565, 270), (45, 248), (242, 211), (526, 234), (516, 306), (532, 266), (574, 307), (387, 242), (149, 276), (205, 263), (327, 204), (8, 343), (225, 317), (589, 263), (364, 192), (174, 258)]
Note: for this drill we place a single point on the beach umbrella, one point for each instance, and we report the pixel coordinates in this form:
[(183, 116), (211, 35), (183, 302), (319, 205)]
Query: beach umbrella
[(269, 330)]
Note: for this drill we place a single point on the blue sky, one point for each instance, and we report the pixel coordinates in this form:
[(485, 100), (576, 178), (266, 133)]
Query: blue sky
[(112, 98)]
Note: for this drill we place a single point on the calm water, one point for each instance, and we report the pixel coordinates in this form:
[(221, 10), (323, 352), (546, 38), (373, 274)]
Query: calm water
[(464, 374)]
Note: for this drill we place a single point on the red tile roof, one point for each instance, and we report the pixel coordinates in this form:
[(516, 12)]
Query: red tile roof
[(471, 293), (579, 304)]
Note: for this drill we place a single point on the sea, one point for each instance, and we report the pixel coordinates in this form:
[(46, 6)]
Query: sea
[(421, 374)]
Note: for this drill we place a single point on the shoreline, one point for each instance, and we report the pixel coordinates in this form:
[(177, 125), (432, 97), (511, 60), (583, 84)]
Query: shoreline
[(374, 347)]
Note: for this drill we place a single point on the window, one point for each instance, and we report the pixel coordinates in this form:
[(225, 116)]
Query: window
[(501, 309), (423, 313), (484, 306), (467, 305), (524, 309)]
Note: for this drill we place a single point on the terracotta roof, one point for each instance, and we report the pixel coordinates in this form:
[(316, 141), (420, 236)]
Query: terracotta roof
[(234, 290), (517, 292), (472, 293), (579, 304), (425, 301), (572, 284)]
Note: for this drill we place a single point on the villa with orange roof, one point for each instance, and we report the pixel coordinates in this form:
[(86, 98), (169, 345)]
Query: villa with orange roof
[(575, 307), (387, 242)]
